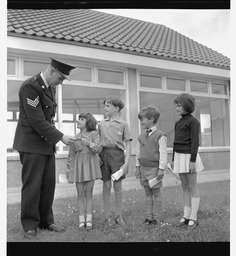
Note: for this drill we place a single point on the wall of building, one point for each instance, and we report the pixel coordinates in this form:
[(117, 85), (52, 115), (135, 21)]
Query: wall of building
[(211, 160)]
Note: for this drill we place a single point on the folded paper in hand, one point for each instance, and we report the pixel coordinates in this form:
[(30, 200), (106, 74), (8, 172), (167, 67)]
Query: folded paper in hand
[(174, 174), (63, 178), (153, 182), (117, 175)]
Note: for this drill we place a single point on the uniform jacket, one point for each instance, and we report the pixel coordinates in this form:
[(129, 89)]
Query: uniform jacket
[(35, 132)]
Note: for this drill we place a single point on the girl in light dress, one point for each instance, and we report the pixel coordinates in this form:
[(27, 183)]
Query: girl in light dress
[(84, 166)]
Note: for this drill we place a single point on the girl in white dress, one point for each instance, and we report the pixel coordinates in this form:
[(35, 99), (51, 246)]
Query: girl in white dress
[(84, 166)]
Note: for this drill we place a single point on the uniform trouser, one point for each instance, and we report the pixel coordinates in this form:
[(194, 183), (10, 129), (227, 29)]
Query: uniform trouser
[(37, 193)]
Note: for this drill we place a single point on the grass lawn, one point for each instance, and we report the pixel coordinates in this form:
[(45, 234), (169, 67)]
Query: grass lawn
[(213, 215)]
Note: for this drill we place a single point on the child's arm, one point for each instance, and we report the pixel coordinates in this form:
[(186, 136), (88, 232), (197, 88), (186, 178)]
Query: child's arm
[(71, 155), (125, 166), (163, 156), (137, 172), (93, 145)]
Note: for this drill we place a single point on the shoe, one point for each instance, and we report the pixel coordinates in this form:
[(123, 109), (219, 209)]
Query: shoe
[(90, 226), (183, 222), (155, 222), (192, 226), (30, 234), (81, 225), (120, 221), (109, 223), (53, 227), (147, 222)]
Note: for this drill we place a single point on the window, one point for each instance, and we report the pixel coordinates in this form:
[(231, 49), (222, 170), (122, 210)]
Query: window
[(81, 74), (11, 67), (197, 86), (218, 88), (150, 81), (81, 99), (32, 68), (12, 110), (176, 84), (110, 77), (212, 113)]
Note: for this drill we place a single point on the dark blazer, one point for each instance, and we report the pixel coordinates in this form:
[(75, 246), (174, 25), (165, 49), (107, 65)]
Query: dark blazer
[(35, 132)]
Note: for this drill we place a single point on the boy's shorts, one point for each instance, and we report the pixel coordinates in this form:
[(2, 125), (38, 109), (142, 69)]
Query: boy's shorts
[(112, 160), (148, 173)]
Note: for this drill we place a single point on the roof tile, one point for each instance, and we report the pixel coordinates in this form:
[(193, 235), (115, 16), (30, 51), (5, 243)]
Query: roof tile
[(111, 31)]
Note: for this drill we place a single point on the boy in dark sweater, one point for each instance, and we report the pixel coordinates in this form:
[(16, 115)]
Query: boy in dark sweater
[(151, 160)]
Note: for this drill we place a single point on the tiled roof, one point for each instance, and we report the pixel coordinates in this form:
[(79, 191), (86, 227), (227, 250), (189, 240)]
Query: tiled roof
[(107, 31)]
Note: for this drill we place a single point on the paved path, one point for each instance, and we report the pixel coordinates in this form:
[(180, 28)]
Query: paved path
[(67, 190)]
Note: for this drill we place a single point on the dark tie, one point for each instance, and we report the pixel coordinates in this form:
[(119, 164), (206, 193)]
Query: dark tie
[(148, 131)]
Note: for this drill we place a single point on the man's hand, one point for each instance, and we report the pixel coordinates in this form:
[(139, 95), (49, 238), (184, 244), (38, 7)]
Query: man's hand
[(68, 140)]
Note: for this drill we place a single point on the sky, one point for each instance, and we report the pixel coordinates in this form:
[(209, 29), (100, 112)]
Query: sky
[(208, 27)]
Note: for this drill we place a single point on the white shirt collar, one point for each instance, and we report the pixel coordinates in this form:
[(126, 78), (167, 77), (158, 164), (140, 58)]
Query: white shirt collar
[(44, 80)]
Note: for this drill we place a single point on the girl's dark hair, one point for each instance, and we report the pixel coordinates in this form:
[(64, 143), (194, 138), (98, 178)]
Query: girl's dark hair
[(115, 101), (91, 122), (149, 112), (187, 101)]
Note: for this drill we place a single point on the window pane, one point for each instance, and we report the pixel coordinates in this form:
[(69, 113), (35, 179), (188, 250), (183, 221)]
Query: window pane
[(212, 113), (197, 86), (168, 116), (176, 84), (11, 68), (32, 68), (78, 99), (110, 77), (81, 74), (219, 88), (150, 81), (12, 110)]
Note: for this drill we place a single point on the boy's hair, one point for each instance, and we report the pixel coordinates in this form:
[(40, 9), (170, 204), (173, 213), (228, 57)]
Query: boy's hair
[(91, 122), (187, 101), (149, 112), (115, 101)]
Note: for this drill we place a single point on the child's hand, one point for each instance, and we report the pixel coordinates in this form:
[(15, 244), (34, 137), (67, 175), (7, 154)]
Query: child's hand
[(137, 172), (160, 174), (192, 167), (85, 142)]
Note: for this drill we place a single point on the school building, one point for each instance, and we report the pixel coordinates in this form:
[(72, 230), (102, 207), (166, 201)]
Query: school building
[(141, 62)]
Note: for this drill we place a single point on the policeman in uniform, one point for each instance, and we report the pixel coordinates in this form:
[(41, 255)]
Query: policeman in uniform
[(35, 140)]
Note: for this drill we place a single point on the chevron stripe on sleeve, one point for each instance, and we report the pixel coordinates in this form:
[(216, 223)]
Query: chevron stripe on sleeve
[(33, 103)]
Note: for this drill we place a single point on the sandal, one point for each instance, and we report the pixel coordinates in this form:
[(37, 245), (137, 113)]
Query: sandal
[(81, 225), (194, 225), (90, 226)]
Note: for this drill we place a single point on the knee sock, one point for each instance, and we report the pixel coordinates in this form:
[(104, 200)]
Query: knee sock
[(195, 201), (149, 207), (157, 209), (118, 203), (106, 203), (89, 218), (187, 212), (81, 219)]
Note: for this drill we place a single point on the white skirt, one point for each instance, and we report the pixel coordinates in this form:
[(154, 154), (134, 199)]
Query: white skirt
[(181, 163)]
